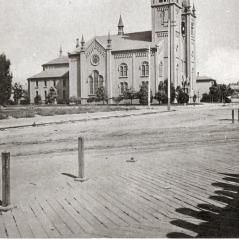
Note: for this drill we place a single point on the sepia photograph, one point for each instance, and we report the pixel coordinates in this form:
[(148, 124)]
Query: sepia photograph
[(119, 119)]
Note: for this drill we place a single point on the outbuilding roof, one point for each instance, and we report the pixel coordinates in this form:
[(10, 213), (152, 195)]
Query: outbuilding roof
[(51, 73), (204, 79)]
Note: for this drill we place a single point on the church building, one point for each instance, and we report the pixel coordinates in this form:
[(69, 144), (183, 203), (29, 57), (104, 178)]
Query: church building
[(128, 60)]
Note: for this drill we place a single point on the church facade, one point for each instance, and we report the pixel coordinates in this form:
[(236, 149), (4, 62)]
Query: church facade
[(129, 60)]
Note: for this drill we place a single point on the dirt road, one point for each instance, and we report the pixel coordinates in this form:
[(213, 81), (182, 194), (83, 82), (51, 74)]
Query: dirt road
[(41, 154)]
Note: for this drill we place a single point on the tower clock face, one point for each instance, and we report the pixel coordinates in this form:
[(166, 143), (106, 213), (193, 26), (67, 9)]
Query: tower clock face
[(95, 60)]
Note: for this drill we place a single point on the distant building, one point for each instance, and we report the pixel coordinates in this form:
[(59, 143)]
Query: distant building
[(55, 75), (203, 84), (123, 61), (235, 88)]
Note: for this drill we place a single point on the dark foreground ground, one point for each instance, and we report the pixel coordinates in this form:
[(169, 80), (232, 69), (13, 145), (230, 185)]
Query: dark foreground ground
[(185, 182)]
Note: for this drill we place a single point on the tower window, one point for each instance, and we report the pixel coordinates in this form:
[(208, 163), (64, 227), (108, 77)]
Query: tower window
[(183, 28), (161, 69)]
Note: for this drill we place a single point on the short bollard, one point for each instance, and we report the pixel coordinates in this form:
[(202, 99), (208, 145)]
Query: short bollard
[(6, 201), (81, 161), (233, 116)]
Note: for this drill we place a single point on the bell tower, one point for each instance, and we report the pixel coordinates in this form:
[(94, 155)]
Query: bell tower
[(189, 42), (163, 13)]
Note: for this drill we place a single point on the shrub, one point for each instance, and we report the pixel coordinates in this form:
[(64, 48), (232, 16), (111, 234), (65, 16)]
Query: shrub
[(129, 94), (206, 98), (91, 100), (101, 95), (3, 116), (161, 97), (162, 94), (182, 97), (37, 100), (143, 95), (118, 99)]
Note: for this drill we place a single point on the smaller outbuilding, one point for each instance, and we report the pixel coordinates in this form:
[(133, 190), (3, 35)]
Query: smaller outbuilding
[(55, 75), (203, 84)]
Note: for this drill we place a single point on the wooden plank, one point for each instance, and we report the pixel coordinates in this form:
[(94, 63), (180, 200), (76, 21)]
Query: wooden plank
[(168, 201), (126, 218), (33, 223), (44, 220), (3, 232), (126, 206), (10, 225), (75, 213), (86, 214), (74, 227), (94, 210), (183, 189), (159, 199), (22, 223), (104, 209), (55, 219), (152, 210)]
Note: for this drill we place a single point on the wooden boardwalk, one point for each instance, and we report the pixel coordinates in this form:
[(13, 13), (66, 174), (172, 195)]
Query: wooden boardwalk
[(170, 198)]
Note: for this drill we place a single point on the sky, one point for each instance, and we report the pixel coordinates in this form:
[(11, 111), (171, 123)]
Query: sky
[(32, 31)]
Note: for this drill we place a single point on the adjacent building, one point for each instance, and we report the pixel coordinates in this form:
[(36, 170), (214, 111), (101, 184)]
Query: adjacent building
[(55, 75), (204, 83), (128, 60)]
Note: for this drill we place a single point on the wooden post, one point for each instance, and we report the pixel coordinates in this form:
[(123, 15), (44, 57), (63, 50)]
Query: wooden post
[(6, 187), (233, 116), (81, 161), (238, 115), (6, 180)]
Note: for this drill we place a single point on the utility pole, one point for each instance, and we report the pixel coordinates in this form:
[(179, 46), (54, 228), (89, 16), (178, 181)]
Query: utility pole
[(169, 57), (149, 85)]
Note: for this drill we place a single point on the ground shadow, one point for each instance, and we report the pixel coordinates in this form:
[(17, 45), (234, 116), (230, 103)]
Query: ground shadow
[(69, 175), (219, 222)]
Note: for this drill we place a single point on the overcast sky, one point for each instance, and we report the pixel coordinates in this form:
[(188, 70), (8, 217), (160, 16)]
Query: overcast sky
[(31, 31)]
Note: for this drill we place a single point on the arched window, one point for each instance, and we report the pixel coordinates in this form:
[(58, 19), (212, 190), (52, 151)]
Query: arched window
[(145, 69), (96, 81), (123, 70), (91, 85), (101, 81)]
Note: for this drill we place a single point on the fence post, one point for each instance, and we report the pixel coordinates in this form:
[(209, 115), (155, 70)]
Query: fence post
[(6, 187), (233, 116), (81, 161)]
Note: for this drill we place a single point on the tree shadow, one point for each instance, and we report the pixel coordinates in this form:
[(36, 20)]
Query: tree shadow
[(218, 222)]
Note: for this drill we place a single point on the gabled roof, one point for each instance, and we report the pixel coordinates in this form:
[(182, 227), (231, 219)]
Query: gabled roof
[(52, 73), (58, 61), (129, 41)]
